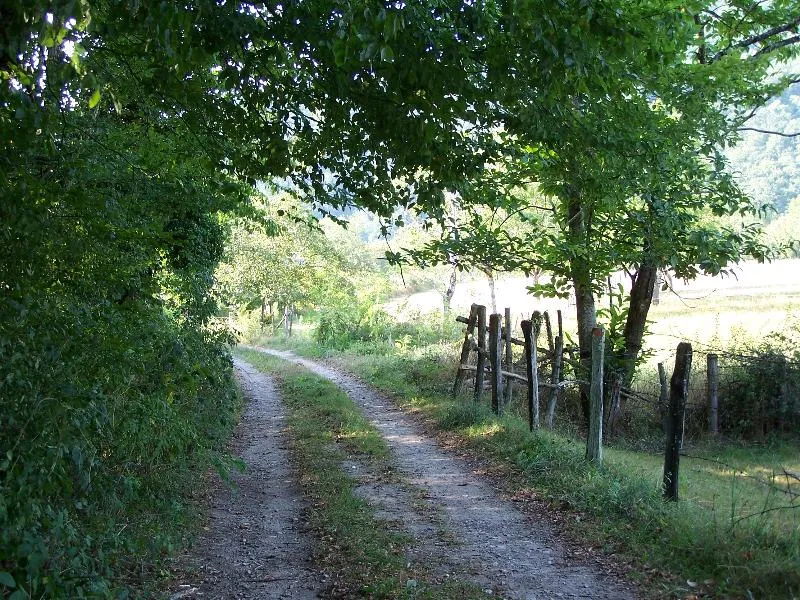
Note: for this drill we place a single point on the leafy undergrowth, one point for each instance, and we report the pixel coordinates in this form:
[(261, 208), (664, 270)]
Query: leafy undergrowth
[(698, 546), (105, 427), (365, 557)]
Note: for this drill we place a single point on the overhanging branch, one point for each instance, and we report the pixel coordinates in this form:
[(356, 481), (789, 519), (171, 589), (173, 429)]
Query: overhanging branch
[(763, 37), (780, 133), (777, 45)]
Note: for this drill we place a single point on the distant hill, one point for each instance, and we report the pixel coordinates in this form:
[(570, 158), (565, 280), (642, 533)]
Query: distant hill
[(768, 166)]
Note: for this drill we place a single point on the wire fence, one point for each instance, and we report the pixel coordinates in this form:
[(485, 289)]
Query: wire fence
[(748, 393), (757, 393)]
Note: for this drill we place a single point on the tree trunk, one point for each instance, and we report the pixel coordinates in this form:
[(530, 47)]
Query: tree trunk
[(490, 276), (587, 319), (452, 259), (536, 274), (656, 290), (641, 298), (447, 297), (585, 310)]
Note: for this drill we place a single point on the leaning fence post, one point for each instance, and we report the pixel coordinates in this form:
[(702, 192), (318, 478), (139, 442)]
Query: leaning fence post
[(594, 442), (560, 323), (678, 391), (480, 373), (555, 376), (527, 329), (712, 390), (549, 332), (509, 356), (495, 354), (466, 348)]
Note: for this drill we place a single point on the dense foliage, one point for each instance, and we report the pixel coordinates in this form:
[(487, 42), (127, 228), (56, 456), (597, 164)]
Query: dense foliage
[(116, 386), (759, 384)]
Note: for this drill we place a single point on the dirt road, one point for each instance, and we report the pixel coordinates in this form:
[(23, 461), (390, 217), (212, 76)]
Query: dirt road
[(254, 546), (496, 545)]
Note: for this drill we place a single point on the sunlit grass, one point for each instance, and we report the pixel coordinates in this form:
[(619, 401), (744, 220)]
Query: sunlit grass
[(729, 493)]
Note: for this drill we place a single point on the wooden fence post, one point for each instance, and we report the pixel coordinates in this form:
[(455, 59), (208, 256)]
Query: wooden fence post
[(549, 332), (678, 391), (663, 396), (509, 356), (560, 323), (480, 373), (495, 359), (555, 376), (712, 390), (537, 329), (466, 348), (530, 331), (594, 442)]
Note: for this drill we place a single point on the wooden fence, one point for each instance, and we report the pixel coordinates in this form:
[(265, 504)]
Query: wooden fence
[(493, 341)]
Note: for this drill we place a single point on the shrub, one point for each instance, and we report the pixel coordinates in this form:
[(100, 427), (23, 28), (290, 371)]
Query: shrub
[(106, 415), (759, 387), (344, 327)]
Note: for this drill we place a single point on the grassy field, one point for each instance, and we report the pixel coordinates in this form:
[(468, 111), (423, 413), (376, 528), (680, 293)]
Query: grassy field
[(708, 311), (712, 313), (734, 533)]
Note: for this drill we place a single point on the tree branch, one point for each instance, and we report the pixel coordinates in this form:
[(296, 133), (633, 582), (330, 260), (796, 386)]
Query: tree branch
[(777, 45), (780, 133), (761, 37), (768, 34)]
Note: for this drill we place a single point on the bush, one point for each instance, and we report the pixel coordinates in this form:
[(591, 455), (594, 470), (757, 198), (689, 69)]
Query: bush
[(344, 327), (760, 387), (103, 426)]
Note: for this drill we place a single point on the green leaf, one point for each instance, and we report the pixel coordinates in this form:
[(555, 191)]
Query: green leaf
[(7, 580), (95, 99), (387, 54), (117, 104)]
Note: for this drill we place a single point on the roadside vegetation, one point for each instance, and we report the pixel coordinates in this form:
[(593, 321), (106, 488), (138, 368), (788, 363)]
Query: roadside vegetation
[(735, 532)]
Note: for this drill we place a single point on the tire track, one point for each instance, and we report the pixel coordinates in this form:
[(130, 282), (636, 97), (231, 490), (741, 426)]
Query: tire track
[(254, 546)]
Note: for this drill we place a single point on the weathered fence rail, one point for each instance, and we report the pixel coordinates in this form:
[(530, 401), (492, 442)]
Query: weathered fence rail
[(492, 344)]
